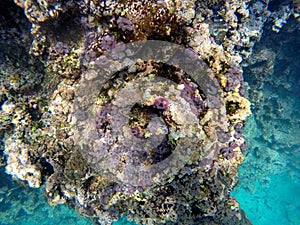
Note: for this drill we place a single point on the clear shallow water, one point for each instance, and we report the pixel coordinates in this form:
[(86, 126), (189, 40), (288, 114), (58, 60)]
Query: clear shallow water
[(277, 204), (272, 197), (23, 206)]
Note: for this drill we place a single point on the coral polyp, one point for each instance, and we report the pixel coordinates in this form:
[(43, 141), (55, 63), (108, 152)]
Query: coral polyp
[(161, 103)]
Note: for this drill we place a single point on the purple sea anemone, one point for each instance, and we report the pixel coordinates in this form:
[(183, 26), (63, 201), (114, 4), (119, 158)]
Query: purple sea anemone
[(244, 146), (238, 130), (161, 103)]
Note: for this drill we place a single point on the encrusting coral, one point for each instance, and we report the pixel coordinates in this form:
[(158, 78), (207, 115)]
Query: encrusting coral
[(150, 141)]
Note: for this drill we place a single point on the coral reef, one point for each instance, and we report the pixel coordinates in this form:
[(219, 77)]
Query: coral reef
[(270, 171), (156, 139), (272, 75), (22, 205)]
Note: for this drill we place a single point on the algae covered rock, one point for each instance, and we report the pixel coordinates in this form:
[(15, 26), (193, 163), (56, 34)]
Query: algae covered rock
[(131, 108)]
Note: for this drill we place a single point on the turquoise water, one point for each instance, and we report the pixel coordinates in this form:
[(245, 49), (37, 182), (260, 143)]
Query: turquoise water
[(20, 205), (23, 206), (269, 188), (268, 191), (279, 203)]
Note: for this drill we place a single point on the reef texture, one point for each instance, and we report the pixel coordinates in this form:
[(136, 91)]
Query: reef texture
[(49, 47), (272, 73), (22, 205)]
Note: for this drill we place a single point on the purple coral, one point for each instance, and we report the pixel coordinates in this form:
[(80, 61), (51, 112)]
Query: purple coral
[(161, 103), (90, 38), (227, 153), (102, 117), (234, 78), (102, 61), (61, 48), (125, 24), (108, 42), (137, 132), (189, 93), (238, 130)]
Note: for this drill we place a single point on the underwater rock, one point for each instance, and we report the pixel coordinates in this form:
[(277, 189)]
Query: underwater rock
[(273, 66), (19, 165), (118, 126)]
